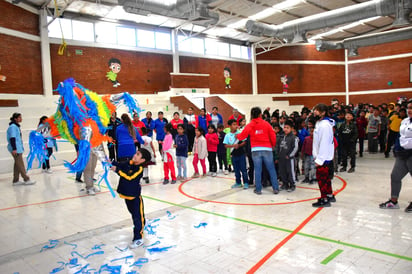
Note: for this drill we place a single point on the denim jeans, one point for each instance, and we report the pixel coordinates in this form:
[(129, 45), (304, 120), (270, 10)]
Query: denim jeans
[(265, 157), (239, 166), (181, 166)]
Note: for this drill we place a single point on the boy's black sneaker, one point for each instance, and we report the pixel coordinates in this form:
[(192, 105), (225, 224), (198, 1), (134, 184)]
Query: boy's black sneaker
[(332, 199), (306, 180), (409, 208), (343, 169), (351, 170), (321, 203), (257, 192)]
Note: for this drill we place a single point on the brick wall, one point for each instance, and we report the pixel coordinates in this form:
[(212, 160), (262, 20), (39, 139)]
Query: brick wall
[(189, 81), (140, 72), (16, 18), (183, 104), (305, 77), (241, 74), (20, 61)]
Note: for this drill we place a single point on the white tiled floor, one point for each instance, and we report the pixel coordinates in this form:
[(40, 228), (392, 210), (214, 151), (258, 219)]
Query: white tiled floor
[(244, 232)]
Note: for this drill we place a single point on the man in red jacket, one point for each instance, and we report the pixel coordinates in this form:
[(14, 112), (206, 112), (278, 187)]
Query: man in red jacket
[(236, 116), (262, 141)]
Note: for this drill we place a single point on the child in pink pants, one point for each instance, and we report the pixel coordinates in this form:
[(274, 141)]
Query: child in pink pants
[(199, 152), (168, 160)]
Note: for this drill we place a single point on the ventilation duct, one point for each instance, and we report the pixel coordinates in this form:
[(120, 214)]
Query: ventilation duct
[(352, 44), (196, 11), (295, 31)]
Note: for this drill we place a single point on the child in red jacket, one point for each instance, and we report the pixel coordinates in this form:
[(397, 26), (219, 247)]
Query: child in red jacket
[(212, 141)]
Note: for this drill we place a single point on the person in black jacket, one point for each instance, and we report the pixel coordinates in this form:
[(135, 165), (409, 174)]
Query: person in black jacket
[(111, 132), (130, 173), (348, 134)]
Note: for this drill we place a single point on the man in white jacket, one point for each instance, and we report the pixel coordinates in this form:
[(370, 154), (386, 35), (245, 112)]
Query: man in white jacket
[(323, 150)]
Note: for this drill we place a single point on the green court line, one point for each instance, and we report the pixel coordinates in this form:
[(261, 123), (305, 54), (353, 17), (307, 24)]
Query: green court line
[(331, 256), (286, 230)]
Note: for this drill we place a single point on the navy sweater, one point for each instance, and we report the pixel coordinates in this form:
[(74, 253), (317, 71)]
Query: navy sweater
[(182, 145), (130, 175)]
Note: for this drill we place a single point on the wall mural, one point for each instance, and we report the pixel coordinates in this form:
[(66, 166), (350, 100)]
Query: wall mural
[(2, 77), (227, 74), (114, 66)]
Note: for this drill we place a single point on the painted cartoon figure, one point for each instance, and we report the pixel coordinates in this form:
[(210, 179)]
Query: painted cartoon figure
[(115, 66), (285, 81), (227, 73), (2, 77)]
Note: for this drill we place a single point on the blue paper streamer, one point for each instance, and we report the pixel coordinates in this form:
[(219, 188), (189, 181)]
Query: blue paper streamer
[(200, 225), (74, 245), (169, 215), (139, 263), (111, 269), (38, 149), (83, 270), (121, 250), (104, 177), (149, 226), (122, 258), (82, 159), (59, 268), (159, 249), (73, 263), (52, 244), (85, 257), (155, 243), (98, 246)]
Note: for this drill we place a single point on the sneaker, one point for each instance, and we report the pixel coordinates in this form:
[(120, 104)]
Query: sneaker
[(257, 192), (306, 180), (236, 186), (146, 180), (409, 208), (204, 175), (49, 171), (195, 175), (18, 183), (214, 174), (165, 181), (275, 191), (343, 169), (179, 178), (173, 182), (332, 199), (209, 173), (321, 203), (226, 172), (292, 188), (79, 181), (389, 204), (29, 182), (43, 170), (183, 179), (245, 186), (90, 192), (96, 189), (220, 170), (136, 244), (351, 170), (311, 182)]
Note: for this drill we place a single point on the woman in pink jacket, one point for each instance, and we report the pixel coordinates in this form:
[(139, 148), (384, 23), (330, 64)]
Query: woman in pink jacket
[(262, 141)]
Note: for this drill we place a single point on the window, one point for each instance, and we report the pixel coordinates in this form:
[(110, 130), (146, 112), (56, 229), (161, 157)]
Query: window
[(83, 31), (56, 31), (105, 33), (163, 40), (211, 46), (223, 49), (145, 38), (235, 51), (126, 36), (244, 52), (198, 45), (184, 44)]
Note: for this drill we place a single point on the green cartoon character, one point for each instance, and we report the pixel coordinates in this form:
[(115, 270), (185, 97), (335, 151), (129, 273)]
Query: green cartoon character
[(114, 65), (227, 73)]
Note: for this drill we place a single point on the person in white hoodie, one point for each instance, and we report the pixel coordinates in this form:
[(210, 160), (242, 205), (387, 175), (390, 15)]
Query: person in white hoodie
[(323, 152)]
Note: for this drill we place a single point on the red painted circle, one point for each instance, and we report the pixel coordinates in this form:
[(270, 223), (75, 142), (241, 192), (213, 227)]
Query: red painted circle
[(228, 203)]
